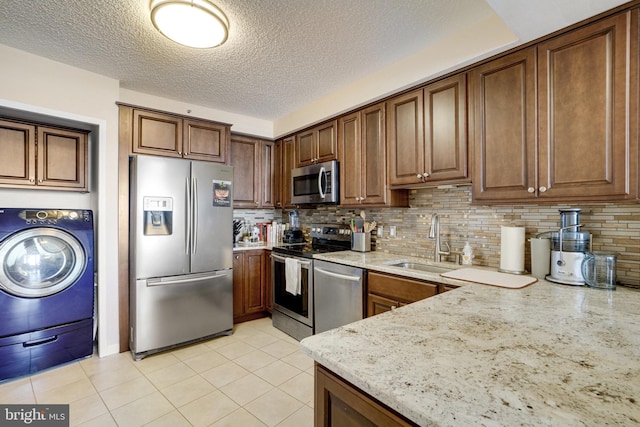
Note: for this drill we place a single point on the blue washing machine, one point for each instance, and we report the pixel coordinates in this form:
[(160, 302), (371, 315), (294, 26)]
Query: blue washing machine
[(46, 288)]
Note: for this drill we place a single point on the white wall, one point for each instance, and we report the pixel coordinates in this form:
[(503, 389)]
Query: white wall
[(37, 88), (478, 41), (50, 90), (240, 123)]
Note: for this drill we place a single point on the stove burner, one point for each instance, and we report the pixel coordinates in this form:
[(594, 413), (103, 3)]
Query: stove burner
[(325, 238)]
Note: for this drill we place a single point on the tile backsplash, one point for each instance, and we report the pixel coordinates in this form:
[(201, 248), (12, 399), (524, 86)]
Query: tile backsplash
[(614, 227)]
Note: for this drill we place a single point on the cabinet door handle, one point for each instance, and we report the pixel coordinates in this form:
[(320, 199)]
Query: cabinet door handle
[(40, 181), (543, 189), (32, 180), (531, 190), (180, 153), (419, 176)]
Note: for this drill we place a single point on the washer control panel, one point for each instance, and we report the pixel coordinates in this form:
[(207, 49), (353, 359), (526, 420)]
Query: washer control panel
[(52, 216)]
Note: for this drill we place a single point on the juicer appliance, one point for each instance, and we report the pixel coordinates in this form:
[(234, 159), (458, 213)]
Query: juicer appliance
[(569, 246)]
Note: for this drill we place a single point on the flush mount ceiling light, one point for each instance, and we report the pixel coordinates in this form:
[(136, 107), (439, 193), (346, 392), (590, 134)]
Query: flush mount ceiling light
[(194, 23)]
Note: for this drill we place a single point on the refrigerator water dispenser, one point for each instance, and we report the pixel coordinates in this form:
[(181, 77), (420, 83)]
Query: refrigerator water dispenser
[(158, 216)]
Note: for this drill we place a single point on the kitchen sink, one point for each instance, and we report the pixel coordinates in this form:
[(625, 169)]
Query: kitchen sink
[(418, 266)]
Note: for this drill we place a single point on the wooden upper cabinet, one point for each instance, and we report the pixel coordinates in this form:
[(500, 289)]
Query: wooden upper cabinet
[(268, 175), (405, 138), (316, 145), (288, 162), (503, 101), (157, 134), (62, 158), (445, 130), (583, 147), (205, 141), (361, 137), (17, 154), (583, 109), (42, 157), (427, 134), (245, 159), (253, 164), (167, 135)]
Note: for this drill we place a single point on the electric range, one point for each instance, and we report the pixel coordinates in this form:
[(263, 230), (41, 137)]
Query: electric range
[(293, 297)]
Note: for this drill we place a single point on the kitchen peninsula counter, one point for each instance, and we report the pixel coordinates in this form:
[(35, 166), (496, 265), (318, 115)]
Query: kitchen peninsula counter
[(546, 354)]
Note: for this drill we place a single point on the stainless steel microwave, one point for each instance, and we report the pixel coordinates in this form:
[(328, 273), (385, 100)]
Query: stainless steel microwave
[(316, 184)]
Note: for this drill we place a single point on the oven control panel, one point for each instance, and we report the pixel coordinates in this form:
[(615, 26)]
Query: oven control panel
[(331, 231)]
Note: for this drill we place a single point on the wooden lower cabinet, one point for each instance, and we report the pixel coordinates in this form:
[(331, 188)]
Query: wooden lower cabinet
[(338, 403), (249, 285), (386, 292)]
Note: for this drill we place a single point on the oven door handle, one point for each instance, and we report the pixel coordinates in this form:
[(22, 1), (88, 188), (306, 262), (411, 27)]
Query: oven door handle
[(338, 275), (281, 258)]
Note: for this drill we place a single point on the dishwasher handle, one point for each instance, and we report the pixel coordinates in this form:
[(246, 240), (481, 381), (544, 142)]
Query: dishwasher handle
[(338, 275)]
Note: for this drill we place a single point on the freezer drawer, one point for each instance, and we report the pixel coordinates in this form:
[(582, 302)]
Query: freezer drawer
[(175, 310)]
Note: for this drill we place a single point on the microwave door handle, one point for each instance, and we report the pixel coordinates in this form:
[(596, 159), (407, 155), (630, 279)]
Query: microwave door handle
[(322, 174)]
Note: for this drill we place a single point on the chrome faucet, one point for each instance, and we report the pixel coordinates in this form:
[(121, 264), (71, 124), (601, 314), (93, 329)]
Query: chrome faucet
[(434, 233)]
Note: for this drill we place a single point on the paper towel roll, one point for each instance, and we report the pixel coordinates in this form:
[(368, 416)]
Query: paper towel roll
[(512, 249)]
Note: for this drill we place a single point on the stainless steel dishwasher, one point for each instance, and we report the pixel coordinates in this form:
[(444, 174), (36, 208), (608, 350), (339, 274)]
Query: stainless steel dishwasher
[(338, 295)]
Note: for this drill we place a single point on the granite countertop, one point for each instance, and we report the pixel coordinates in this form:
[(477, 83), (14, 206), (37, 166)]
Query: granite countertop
[(546, 354), (380, 261), (251, 246)]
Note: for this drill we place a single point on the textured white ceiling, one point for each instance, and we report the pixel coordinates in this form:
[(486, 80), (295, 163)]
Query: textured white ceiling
[(280, 55)]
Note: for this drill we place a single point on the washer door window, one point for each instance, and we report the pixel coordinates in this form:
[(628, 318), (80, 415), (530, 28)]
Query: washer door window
[(40, 262)]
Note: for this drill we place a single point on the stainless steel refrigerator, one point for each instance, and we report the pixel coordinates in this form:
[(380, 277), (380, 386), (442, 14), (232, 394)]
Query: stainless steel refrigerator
[(181, 253)]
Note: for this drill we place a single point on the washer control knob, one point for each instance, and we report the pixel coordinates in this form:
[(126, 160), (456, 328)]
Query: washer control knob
[(41, 214)]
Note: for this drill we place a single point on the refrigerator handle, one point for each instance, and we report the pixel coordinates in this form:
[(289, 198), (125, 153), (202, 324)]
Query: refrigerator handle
[(194, 198), (187, 243)]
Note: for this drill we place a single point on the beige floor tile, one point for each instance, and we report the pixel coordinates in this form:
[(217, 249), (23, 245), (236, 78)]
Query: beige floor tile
[(188, 390), (143, 410), (277, 372), (208, 409), (169, 375), (156, 362), (300, 387), (205, 361), (279, 334), (260, 339), (95, 365), (172, 419), (67, 393), (224, 374), (128, 392), (281, 349), (299, 359), (17, 391), (239, 417), (104, 420), (57, 377), (87, 409), (190, 351), (218, 342), (273, 407), (120, 374), (201, 380), (303, 417), (255, 360), (235, 350), (246, 389), (244, 331)]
